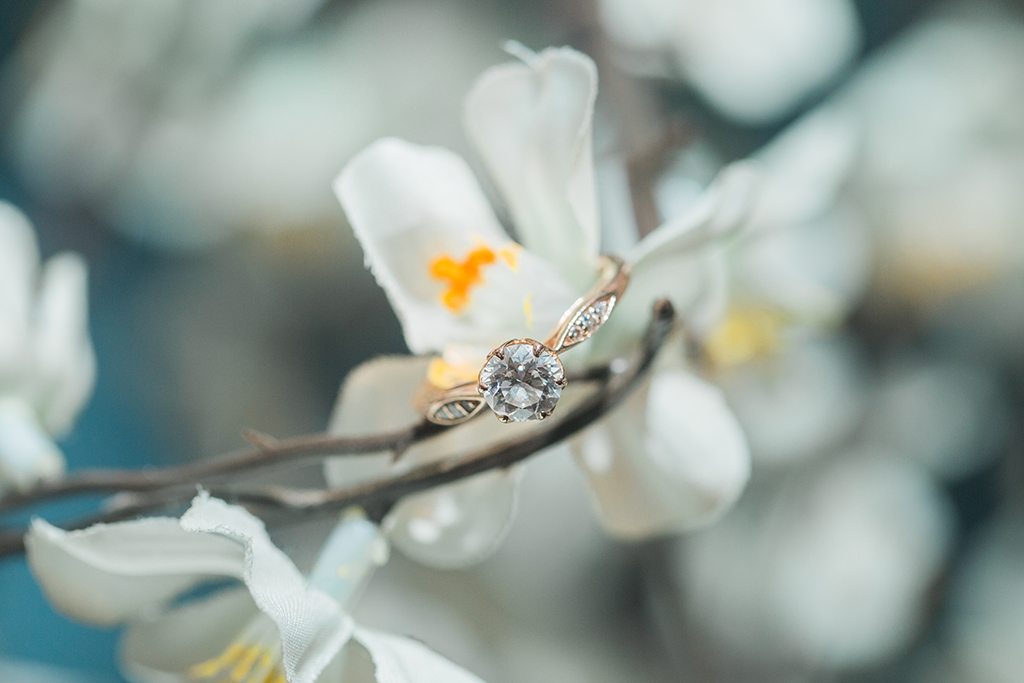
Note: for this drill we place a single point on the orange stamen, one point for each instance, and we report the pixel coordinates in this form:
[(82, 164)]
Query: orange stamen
[(461, 277)]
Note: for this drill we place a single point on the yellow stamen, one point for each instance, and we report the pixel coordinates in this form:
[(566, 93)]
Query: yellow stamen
[(239, 664), (745, 335), (528, 309), (510, 255), (461, 276)]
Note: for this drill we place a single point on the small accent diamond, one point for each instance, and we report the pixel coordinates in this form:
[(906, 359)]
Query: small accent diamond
[(587, 322), (522, 380)]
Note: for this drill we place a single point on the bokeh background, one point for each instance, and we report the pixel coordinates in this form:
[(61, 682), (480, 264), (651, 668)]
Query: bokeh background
[(873, 351)]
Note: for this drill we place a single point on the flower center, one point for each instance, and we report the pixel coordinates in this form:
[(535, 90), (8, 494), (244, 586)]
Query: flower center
[(463, 275), (253, 657)]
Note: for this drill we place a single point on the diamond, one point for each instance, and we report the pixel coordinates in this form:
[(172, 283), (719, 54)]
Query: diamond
[(522, 380)]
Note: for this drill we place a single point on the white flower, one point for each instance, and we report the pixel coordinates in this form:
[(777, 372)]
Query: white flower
[(47, 365), (461, 287), (829, 568), (754, 60), (150, 574)]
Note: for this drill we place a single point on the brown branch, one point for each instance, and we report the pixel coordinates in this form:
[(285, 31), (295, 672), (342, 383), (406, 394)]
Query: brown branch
[(268, 452), (378, 497)]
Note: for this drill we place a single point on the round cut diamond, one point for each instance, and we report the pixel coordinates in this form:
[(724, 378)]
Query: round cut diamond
[(522, 381)]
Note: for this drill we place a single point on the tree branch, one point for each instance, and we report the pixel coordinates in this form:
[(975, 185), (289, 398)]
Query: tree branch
[(378, 497)]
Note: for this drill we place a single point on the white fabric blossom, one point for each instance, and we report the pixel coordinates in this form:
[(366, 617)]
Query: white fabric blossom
[(281, 626), (47, 364), (461, 287), (754, 60)]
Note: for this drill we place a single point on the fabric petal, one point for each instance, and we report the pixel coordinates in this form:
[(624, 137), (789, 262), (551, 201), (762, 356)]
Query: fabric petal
[(672, 458), (110, 573), (64, 360), (312, 625), (19, 261), (163, 648), (456, 525), (532, 123), (27, 453), (451, 272), (451, 526), (404, 660)]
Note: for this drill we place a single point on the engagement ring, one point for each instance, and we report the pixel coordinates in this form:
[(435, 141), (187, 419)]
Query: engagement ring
[(523, 378)]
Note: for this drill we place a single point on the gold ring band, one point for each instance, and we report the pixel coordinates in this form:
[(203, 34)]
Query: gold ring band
[(501, 384)]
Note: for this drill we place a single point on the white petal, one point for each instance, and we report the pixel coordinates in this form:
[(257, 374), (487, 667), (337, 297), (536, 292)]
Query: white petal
[(671, 263), (162, 649), (19, 261), (403, 660), (719, 211), (376, 397), (673, 457), (456, 525), (312, 625), (451, 526), (411, 205), (533, 125), (27, 453), (65, 364), (108, 574)]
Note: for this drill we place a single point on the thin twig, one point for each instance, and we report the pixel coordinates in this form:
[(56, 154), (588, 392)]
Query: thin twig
[(378, 497)]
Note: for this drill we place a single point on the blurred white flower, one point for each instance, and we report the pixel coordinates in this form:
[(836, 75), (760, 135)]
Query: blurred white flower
[(47, 364), (829, 569), (282, 626), (461, 287), (754, 60), (943, 123), (986, 619), (183, 123), (951, 417)]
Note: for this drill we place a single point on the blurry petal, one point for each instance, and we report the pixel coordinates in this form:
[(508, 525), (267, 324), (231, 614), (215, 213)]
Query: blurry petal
[(816, 271), (312, 625), (800, 402), (755, 60), (65, 364), (19, 261), (458, 524), (804, 168), (720, 210), (451, 526), (110, 573), (449, 269), (163, 648), (532, 123), (403, 660), (670, 263), (671, 458), (27, 453)]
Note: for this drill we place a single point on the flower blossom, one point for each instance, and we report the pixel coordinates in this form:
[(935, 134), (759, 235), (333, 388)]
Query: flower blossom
[(461, 287), (47, 364), (280, 627)]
